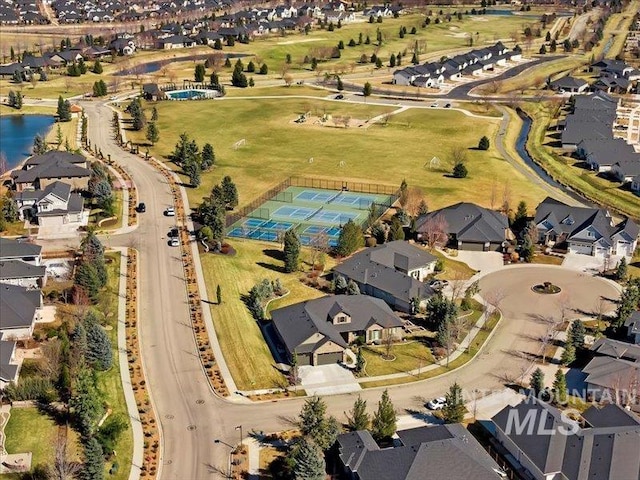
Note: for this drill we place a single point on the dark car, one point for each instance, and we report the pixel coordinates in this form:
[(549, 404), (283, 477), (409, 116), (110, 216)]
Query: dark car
[(141, 208), (173, 233), (448, 105), (339, 96)]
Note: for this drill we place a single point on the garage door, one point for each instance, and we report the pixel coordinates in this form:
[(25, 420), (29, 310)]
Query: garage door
[(329, 358), (583, 249), (303, 358), (476, 247)]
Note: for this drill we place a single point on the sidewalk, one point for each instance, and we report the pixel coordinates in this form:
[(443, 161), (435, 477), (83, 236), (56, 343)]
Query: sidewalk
[(136, 427)]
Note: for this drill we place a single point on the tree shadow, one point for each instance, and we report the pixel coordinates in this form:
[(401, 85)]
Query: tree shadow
[(271, 266), (273, 253)]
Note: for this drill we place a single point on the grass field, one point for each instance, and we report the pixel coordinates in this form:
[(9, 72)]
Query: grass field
[(408, 356), (383, 153), (30, 430), (453, 269), (241, 340)]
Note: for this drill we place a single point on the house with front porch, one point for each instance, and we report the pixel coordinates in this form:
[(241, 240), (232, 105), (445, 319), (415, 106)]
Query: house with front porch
[(52, 206), (393, 272), (583, 230), (318, 332)]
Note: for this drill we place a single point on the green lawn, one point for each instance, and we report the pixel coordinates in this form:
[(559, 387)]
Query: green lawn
[(30, 430), (453, 269), (241, 340), (408, 356), (277, 148)]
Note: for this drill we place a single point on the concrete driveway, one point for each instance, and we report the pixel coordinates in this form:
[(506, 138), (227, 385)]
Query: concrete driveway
[(327, 380), (484, 262), (575, 261)]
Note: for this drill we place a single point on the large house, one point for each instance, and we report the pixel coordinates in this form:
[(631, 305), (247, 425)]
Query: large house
[(604, 444), (470, 227), (54, 205), (588, 231), (19, 309), (50, 167), (21, 264), (393, 272), (592, 117), (445, 452), (614, 371), (318, 332)]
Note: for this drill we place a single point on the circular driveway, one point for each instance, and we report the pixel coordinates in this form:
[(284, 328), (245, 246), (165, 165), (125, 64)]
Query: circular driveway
[(581, 294)]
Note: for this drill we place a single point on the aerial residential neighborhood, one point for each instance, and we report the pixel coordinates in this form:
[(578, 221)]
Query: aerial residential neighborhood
[(319, 241)]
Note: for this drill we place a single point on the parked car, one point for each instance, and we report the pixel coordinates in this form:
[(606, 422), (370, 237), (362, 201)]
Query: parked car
[(141, 208), (434, 105), (173, 233), (170, 212), (448, 105), (438, 284), (174, 242), (437, 403), (339, 96)]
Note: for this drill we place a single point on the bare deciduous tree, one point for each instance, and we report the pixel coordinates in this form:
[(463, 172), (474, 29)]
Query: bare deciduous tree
[(435, 230), (459, 155), (413, 200), (457, 284), (63, 467), (49, 365)]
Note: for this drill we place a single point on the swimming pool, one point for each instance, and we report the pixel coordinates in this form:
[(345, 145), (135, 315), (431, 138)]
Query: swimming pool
[(191, 94)]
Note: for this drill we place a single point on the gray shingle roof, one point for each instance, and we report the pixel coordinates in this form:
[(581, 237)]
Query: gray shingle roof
[(568, 82), (633, 323), (297, 322), (52, 167), (14, 269), (445, 452), (11, 249), (18, 306), (607, 447), (617, 349), (8, 370), (54, 155), (470, 223)]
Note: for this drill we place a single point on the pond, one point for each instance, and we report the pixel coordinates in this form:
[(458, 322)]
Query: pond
[(150, 67), (17, 136)]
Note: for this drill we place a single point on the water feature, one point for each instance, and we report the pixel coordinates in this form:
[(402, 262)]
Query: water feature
[(191, 94), (521, 143), (17, 135), (150, 67)]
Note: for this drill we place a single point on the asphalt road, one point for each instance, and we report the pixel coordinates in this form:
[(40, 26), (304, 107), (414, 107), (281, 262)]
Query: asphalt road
[(190, 415)]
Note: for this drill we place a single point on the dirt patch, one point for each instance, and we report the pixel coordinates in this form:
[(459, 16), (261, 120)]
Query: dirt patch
[(333, 121)]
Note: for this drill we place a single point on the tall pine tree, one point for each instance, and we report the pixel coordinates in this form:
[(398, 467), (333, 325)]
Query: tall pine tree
[(358, 418), (384, 421), (291, 251)]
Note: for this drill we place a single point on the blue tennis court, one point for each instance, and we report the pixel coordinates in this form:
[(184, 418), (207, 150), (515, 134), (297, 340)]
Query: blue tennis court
[(317, 229), (354, 199), (334, 217), (275, 225), (252, 222), (297, 213), (268, 235), (316, 196), (312, 239)]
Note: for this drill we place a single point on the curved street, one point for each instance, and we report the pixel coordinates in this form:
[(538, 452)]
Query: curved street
[(190, 415)]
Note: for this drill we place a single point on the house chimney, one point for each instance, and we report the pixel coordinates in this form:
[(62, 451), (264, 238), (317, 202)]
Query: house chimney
[(366, 276)]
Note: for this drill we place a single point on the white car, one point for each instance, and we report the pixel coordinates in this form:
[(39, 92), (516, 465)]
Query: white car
[(170, 212), (174, 242), (437, 403)]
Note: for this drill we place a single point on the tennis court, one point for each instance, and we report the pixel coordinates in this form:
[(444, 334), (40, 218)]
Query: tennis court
[(316, 214)]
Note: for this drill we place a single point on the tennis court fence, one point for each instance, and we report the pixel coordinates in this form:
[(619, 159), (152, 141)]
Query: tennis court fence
[(278, 193)]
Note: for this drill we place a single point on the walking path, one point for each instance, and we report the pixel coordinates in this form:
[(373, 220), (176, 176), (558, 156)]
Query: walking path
[(5, 413), (132, 408)]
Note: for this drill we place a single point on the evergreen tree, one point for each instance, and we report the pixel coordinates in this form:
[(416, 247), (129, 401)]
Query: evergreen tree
[(358, 418), (251, 68), (39, 145), (367, 90), (315, 425), (351, 239), (154, 114), (219, 295), (93, 465), (308, 462), (199, 73), (396, 232), (622, 270), (12, 99), (453, 410), (340, 284), (264, 69), (212, 214), (251, 82), (459, 170), (79, 339), (384, 422), (392, 60), (217, 45), (423, 208), (352, 288), (86, 404), (576, 334), (208, 157), (192, 170), (186, 151), (537, 381), (339, 84), (99, 352), (82, 67), (359, 361), (64, 110), (560, 388), (484, 143), (520, 218), (568, 354), (97, 67), (238, 78), (153, 135), (230, 192), (291, 251), (87, 277)]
